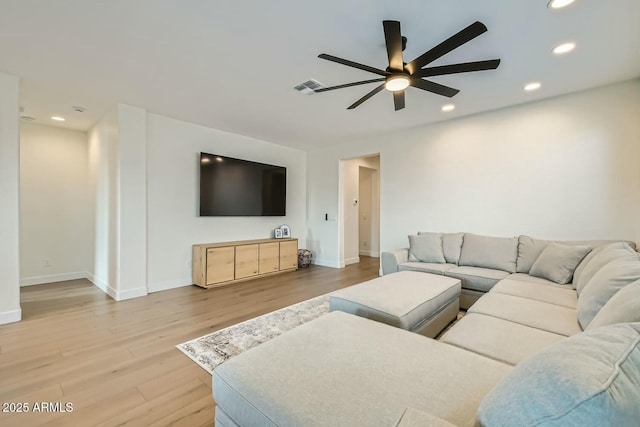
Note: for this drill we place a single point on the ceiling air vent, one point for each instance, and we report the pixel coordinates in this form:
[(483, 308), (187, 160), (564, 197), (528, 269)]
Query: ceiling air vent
[(308, 87)]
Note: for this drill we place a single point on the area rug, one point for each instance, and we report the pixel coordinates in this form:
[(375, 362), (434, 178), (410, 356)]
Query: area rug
[(211, 350)]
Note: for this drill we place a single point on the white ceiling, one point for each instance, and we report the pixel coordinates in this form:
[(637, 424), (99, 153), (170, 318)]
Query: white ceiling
[(232, 65)]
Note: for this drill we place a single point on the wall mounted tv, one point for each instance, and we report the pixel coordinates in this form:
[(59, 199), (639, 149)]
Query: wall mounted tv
[(235, 187)]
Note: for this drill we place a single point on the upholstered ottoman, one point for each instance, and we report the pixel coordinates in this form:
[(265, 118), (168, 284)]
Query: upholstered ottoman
[(418, 302)]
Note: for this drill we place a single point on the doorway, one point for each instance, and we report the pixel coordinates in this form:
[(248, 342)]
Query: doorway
[(360, 209)]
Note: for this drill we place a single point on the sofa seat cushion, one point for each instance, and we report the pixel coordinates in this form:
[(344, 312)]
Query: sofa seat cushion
[(565, 296), (498, 253), (425, 267), (498, 339), (623, 307), (405, 299), (536, 314), (343, 370), (523, 277), (476, 278), (591, 379)]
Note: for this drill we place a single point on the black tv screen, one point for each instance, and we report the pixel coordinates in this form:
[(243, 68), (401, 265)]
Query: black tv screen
[(235, 187)]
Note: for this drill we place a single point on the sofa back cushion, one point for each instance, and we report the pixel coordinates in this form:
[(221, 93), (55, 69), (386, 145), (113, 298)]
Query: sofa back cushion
[(529, 249), (499, 253), (426, 247), (601, 257), (451, 246), (588, 379), (623, 307), (604, 284), (557, 262)]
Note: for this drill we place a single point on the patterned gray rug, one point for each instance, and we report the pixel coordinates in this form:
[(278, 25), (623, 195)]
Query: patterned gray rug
[(211, 350)]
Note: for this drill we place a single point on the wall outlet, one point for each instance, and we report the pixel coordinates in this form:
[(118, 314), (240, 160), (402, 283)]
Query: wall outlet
[(47, 262)]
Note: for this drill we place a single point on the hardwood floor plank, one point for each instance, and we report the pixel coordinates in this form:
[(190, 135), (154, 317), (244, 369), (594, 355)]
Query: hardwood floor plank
[(117, 362)]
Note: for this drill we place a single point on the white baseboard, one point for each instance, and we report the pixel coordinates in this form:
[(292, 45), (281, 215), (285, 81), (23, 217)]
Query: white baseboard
[(170, 284), (353, 260), (117, 295), (52, 278), (10, 316), (326, 263), (131, 293), (103, 286), (370, 253)]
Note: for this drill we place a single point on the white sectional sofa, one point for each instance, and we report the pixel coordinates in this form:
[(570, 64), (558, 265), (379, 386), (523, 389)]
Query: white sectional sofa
[(528, 352), (478, 261)]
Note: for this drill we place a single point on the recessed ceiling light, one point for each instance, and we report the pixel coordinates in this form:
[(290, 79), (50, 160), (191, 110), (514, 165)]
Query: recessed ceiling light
[(57, 118), (559, 4), (532, 86), (564, 48), (219, 159), (448, 107)]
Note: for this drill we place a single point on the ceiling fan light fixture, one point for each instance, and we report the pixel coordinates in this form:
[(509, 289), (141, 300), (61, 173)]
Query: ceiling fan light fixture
[(396, 83), (559, 4)]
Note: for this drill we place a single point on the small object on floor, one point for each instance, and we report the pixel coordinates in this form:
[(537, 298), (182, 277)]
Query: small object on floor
[(304, 258)]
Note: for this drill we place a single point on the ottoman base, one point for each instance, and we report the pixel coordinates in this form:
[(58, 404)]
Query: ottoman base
[(440, 320)]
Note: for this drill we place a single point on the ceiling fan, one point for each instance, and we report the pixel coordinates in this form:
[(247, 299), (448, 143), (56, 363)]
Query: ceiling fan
[(400, 75)]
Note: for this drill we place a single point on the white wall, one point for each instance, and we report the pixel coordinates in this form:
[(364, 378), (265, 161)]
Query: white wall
[(56, 205), (103, 156), (173, 224), (565, 168), (9, 200), (132, 202), (117, 159)]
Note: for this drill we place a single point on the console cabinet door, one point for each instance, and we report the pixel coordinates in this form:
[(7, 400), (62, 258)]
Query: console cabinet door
[(220, 264), (246, 261), (269, 257), (288, 255)]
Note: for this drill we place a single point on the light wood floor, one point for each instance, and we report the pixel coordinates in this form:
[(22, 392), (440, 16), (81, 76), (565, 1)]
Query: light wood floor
[(116, 361)]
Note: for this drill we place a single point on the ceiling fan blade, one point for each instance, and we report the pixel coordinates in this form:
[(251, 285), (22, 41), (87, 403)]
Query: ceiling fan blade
[(398, 100), (393, 40), (364, 82), (352, 64), (434, 87), (364, 98), (453, 42), (465, 67)]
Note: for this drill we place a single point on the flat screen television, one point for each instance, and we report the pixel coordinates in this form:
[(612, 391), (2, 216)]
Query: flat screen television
[(235, 187)]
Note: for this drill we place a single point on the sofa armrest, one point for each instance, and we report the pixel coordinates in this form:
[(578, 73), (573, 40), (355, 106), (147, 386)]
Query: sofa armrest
[(391, 259), (415, 418)]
